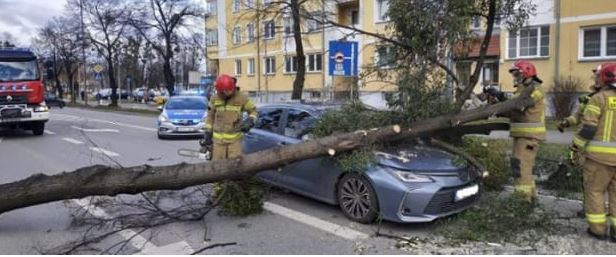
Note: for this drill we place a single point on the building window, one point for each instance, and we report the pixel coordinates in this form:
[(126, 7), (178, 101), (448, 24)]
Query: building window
[(384, 57), (490, 73), (382, 7), (355, 17), (250, 32), (250, 4), (476, 23), (313, 24), (529, 42), (251, 67), (288, 26), (598, 42), (290, 64), (238, 67), (211, 8), (211, 36), (269, 28), (237, 35), (269, 65), (236, 5), (314, 62)]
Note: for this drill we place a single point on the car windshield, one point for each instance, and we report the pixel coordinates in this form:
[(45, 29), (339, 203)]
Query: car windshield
[(18, 71), (192, 103)]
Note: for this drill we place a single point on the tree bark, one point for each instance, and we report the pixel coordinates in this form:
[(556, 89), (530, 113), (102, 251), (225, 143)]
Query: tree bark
[(468, 90), (298, 83), (101, 180)]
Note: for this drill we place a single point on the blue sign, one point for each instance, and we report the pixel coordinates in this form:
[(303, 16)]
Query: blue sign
[(98, 76), (343, 56)]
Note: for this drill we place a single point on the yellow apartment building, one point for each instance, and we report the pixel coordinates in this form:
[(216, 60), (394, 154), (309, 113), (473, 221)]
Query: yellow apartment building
[(564, 38), (253, 41)]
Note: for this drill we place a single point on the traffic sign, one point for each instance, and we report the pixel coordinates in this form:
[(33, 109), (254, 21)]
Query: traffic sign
[(343, 56), (98, 76), (98, 68)]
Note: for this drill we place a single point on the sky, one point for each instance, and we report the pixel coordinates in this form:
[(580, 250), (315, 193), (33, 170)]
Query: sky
[(22, 18)]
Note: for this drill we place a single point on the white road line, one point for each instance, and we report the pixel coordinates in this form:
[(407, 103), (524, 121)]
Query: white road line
[(105, 152), (111, 122), (48, 132), (96, 130), (344, 232), (136, 240), (1, 139), (72, 141)]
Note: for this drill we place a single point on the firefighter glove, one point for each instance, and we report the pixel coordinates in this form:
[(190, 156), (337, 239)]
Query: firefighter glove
[(247, 124), (562, 125)]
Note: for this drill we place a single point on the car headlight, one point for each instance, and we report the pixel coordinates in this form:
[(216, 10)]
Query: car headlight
[(163, 118), (409, 176), (41, 108)]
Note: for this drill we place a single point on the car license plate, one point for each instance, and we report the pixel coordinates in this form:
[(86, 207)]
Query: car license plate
[(186, 129), (466, 192)]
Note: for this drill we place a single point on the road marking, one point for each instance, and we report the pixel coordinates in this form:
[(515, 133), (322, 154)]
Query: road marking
[(96, 130), (326, 226), (72, 141), (49, 132), (105, 152), (136, 240), (1, 139), (112, 122)]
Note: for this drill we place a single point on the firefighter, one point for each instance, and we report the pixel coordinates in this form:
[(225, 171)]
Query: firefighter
[(527, 127), (224, 127), (574, 119), (597, 141)]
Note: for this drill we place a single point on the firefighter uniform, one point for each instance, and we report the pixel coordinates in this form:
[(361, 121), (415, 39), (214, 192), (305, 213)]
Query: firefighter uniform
[(224, 119), (527, 128), (597, 140), (576, 118)]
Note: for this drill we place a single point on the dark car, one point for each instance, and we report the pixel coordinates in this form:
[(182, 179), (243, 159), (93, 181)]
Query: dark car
[(412, 183), (53, 100)]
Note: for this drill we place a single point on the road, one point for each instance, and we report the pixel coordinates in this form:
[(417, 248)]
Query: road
[(76, 138)]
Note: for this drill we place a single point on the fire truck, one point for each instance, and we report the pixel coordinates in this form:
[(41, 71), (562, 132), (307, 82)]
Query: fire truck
[(22, 92)]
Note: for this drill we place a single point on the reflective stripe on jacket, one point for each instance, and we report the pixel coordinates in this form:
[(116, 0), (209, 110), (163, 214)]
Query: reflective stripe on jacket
[(530, 123)]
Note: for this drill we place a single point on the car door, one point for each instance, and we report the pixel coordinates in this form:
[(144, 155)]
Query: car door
[(265, 135), (312, 177)]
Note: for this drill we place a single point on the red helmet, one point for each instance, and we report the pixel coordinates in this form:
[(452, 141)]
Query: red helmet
[(607, 74), (527, 69), (225, 83)]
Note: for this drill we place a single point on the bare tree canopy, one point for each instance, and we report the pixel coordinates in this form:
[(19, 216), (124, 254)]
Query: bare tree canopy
[(160, 22)]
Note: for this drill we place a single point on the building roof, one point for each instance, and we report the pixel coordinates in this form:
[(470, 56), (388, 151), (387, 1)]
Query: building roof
[(493, 48)]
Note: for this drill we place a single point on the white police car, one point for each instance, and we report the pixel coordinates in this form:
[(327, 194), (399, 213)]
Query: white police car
[(182, 116)]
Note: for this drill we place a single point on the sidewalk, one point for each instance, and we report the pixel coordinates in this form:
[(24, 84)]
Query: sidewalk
[(126, 104), (553, 136)]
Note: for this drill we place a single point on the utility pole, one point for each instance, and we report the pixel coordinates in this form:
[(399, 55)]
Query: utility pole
[(83, 54), (323, 54)]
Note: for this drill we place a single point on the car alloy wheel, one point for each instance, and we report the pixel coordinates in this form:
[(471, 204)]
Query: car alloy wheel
[(357, 199)]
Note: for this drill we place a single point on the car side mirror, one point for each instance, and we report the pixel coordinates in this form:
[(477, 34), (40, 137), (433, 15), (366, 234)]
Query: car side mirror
[(160, 108)]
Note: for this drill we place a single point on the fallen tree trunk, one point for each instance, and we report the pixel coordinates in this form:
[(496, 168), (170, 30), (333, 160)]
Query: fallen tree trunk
[(102, 180)]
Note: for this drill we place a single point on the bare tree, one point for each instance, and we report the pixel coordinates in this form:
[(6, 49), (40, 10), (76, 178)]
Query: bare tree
[(59, 35), (160, 22), (105, 30)]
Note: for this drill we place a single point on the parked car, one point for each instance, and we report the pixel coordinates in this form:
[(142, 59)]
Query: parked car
[(53, 100), (182, 116), (123, 93), (412, 183), (104, 93), (139, 94)]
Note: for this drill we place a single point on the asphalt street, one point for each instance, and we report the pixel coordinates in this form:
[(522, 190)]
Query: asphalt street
[(76, 138)]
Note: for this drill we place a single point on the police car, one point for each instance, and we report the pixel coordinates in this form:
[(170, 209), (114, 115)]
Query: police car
[(182, 116)]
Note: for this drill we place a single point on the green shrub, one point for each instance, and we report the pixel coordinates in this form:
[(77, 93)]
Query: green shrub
[(492, 154), (499, 219), (552, 160), (240, 198)]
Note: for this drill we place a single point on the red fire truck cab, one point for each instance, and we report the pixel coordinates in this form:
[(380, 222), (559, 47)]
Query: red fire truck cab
[(22, 92)]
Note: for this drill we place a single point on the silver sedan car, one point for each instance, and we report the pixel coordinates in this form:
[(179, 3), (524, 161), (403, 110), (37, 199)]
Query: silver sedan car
[(413, 183)]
